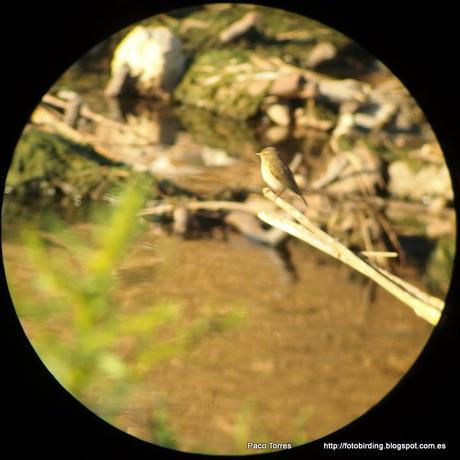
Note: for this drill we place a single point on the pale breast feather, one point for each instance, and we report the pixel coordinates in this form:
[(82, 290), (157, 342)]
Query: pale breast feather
[(271, 181)]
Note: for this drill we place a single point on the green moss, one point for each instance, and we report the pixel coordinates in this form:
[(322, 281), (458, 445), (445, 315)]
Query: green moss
[(411, 223), (210, 81), (321, 112), (440, 265), (345, 142), (206, 85), (387, 151), (81, 77), (44, 162)]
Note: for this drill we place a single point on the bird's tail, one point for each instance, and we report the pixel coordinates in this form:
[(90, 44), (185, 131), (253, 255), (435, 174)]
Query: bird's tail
[(304, 200)]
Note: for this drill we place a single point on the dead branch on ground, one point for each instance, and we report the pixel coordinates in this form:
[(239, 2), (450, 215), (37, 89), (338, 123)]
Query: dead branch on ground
[(240, 27)]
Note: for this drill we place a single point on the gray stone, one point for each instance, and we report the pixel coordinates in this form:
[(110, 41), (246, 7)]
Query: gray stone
[(428, 182), (279, 114)]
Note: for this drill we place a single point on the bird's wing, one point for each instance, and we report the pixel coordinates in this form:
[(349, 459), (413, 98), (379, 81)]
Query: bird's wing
[(291, 179)]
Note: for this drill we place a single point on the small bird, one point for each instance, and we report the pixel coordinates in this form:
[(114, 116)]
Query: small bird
[(276, 173)]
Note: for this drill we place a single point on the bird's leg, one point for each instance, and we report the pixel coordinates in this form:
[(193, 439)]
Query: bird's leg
[(280, 192)]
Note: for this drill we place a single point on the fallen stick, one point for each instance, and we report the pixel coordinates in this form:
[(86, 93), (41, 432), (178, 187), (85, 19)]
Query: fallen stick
[(423, 304), (49, 121), (87, 113), (167, 208), (239, 27)]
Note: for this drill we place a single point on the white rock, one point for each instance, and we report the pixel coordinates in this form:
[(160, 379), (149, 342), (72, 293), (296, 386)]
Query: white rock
[(430, 181), (275, 134), (154, 56), (279, 114), (216, 157)]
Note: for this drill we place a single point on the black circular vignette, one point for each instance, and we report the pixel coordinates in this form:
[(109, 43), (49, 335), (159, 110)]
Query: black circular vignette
[(417, 43)]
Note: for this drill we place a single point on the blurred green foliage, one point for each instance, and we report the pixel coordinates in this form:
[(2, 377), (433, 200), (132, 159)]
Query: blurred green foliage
[(299, 424), (80, 329), (82, 282), (161, 432), (242, 431)]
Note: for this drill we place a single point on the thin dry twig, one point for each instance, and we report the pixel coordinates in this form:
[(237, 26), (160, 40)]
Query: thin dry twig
[(51, 123), (379, 254), (393, 237), (365, 233), (423, 304), (239, 27)]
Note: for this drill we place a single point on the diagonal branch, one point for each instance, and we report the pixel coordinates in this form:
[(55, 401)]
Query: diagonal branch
[(423, 304)]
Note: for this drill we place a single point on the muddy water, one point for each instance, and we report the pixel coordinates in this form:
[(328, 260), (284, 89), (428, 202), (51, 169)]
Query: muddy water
[(309, 354)]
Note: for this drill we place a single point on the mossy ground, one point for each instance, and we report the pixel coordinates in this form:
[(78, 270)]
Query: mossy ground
[(44, 163)]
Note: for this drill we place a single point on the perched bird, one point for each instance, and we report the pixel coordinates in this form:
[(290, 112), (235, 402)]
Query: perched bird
[(276, 173)]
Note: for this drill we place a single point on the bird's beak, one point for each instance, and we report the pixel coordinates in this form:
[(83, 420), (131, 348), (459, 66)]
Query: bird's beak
[(258, 154)]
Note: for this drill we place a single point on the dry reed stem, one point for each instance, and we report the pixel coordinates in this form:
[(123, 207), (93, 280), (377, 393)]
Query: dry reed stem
[(424, 305)]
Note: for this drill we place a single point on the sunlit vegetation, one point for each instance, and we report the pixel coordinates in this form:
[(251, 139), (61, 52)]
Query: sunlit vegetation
[(82, 333)]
